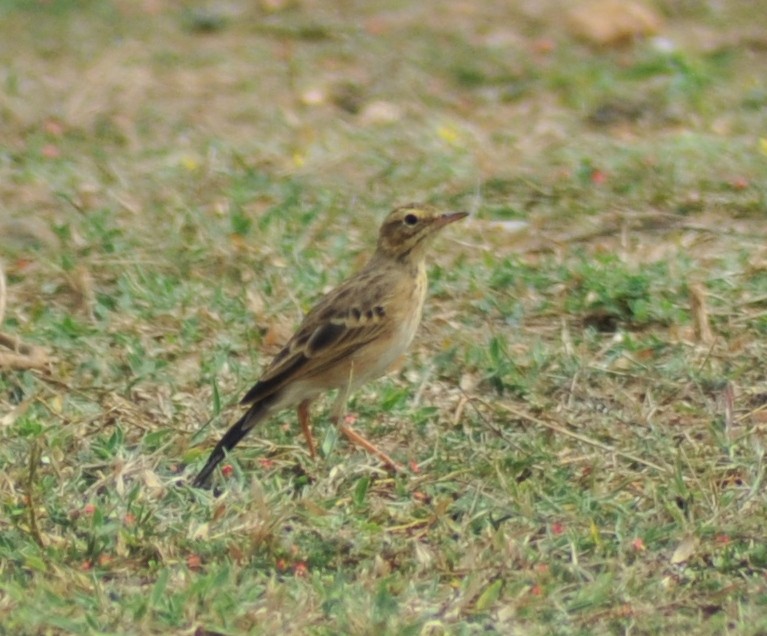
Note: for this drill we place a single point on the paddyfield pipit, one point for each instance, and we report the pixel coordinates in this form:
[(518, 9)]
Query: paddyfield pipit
[(352, 335)]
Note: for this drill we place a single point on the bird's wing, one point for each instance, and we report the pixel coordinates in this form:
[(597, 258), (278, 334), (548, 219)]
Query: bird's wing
[(351, 316)]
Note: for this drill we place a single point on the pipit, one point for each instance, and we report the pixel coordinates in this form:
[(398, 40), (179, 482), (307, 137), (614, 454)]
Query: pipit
[(352, 335)]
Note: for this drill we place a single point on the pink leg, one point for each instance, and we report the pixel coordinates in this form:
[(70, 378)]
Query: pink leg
[(303, 418), (356, 438)]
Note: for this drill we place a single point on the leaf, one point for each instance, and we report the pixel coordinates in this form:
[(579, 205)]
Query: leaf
[(216, 398), (361, 490), (489, 596), (329, 441), (158, 591), (685, 550)]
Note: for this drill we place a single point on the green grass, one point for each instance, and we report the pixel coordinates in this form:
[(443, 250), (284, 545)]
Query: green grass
[(180, 185)]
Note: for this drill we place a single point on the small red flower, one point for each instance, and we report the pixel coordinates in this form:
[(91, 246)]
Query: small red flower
[(739, 183), (53, 127), (543, 45), (50, 151), (227, 471), (21, 264), (300, 569), (598, 177)]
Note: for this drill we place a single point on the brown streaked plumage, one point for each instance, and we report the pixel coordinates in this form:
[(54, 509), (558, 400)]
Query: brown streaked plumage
[(352, 335)]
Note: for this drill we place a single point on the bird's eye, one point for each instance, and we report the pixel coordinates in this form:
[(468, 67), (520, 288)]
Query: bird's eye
[(411, 219)]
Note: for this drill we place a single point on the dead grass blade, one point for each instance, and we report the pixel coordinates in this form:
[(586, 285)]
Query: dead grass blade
[(34, 459), (22, 356), (582, 438), (703, 331)]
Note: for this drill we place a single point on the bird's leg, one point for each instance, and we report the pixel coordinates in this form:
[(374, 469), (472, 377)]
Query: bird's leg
[(303, 418), (337, 413), (354, 437)]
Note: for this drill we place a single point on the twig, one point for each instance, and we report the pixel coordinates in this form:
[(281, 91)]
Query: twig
[(36, 359), (21, 356), (582, 438)]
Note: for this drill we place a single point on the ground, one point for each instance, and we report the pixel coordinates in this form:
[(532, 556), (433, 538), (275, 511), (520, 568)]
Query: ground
[(583, 414)]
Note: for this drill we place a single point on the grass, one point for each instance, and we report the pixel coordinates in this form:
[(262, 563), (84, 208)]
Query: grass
[(179, 185)]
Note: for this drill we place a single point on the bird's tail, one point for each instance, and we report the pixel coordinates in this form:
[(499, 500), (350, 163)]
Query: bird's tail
[(231, 438)]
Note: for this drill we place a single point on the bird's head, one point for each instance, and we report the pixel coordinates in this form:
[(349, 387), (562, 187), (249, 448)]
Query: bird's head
[(408, 229)]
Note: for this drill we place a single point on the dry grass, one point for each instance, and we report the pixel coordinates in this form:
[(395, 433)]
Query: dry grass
[(584, 416)]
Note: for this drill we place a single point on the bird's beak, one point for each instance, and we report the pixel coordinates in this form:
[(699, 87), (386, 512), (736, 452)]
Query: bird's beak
[(446, 219)]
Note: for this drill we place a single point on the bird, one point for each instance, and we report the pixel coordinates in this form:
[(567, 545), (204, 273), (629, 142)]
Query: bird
[(354, 334)]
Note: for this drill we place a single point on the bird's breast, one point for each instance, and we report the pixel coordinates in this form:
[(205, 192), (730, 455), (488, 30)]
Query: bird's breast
[(404, 315)]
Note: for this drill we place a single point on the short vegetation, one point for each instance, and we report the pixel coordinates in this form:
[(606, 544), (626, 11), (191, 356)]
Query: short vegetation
[(583, 414)]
